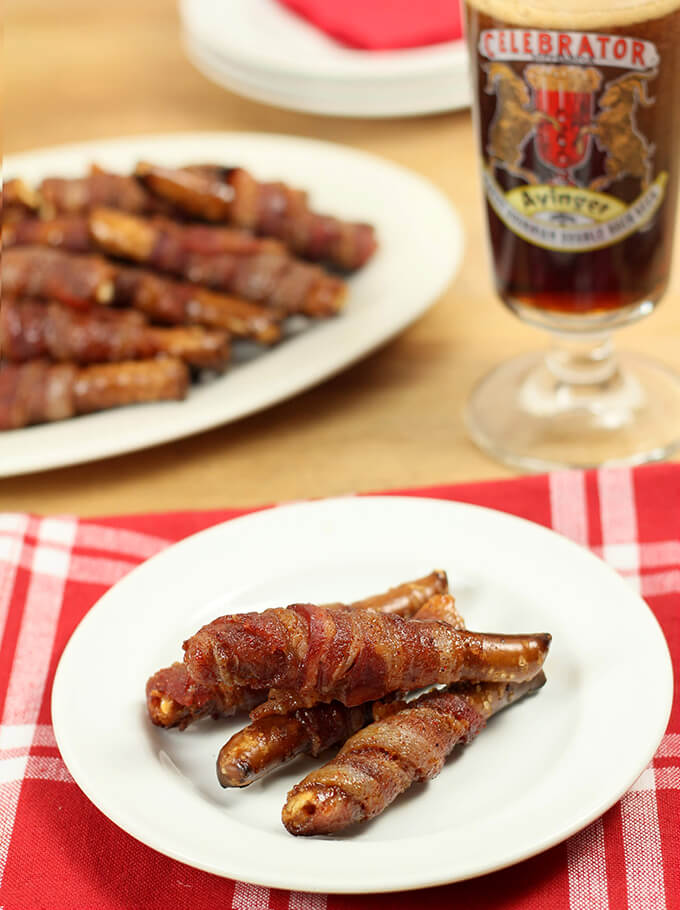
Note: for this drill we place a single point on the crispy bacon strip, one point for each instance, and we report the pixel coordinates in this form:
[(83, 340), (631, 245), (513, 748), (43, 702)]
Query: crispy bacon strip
[(383, 759), (39, 391), (271, 742), (224, 259), (70, 233), (309, 654), (174, 699), (213, 193), (30, 329), (36, 271), (177, 303)]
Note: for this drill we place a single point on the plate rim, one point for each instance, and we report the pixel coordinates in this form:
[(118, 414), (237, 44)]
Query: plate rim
[(272, 881), (33, 457)]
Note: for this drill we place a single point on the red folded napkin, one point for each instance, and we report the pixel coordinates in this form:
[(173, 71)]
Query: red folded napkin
[(60, 853), (378, 25)]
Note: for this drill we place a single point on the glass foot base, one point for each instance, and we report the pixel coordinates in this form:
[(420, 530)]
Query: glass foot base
[(529, 416)]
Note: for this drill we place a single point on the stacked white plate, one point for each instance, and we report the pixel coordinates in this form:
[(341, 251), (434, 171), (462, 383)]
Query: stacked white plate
[(259, 49)]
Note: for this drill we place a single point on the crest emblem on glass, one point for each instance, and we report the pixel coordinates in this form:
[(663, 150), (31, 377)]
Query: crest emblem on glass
[(576, 106)]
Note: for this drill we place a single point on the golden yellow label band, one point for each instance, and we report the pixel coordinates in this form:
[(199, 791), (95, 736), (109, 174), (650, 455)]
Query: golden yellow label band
[(570, 200), (572, 219)]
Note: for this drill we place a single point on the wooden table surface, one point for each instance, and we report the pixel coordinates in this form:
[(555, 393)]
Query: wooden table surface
[(78, 70)]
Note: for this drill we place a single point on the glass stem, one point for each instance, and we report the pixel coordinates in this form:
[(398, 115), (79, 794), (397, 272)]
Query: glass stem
[(583, 361)]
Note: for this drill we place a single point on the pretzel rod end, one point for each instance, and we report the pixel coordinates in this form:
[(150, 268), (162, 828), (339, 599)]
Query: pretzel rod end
[(318, 811), (234, 774), (234, 765)]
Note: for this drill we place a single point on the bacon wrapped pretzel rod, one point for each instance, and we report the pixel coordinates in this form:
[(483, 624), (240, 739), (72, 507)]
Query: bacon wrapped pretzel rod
[(224, 259), (307, 654), (167, 244), (215, 193), (393, 664), (177, 303), (174, 699), (36, 271), (40, 391), (78, 195), (30, 329), (383, 759), (271, 742), (70, 233), (276, 210)]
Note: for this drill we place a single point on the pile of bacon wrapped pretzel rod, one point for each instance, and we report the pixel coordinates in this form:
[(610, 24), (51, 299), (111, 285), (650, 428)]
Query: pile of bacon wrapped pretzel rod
[(345, 677), (117, 288)]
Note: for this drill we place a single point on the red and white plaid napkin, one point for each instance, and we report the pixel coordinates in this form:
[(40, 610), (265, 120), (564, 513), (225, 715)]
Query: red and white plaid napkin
[(60, 853)]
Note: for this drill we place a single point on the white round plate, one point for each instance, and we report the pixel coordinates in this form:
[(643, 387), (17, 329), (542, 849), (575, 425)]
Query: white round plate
[(421, 244), (540, 771), (262, 50)]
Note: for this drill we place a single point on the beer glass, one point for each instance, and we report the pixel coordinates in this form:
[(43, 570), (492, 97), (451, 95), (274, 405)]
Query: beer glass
[(577, 106)]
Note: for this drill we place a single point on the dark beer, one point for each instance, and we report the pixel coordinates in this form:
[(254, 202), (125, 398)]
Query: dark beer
[(579, 115)]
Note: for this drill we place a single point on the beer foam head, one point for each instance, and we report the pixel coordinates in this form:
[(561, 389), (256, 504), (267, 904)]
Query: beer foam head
[(575, 14), (563, 78)]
